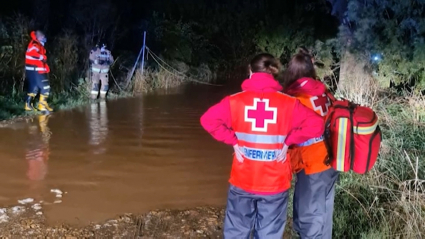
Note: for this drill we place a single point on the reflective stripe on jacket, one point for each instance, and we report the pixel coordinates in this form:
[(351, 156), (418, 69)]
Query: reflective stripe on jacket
[(261, 121), (98, 70), (311, 154)]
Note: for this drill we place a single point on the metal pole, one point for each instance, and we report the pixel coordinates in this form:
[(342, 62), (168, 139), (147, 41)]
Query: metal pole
[(135, 65), (143, 54)]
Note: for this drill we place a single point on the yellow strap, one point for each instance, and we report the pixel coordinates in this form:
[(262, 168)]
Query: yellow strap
[(342, 143), (365, 130)]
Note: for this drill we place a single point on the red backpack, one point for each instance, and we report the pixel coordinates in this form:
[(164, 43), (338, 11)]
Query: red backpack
[(352, 136)]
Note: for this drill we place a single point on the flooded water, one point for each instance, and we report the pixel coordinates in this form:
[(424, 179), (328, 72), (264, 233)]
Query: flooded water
[(120, 156)]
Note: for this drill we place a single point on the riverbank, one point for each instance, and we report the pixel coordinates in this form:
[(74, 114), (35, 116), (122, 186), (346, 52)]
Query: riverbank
[(12, 108), (200, 222)]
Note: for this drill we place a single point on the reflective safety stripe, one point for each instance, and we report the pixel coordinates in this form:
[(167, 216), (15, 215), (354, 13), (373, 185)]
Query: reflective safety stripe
[(94, 92), (35, 68), (46, 87), (261, 139), (33, 48), (342, 144), (365, 130), (260, 154), (32, 58), (311, 141), (100, 70), (103, 92)]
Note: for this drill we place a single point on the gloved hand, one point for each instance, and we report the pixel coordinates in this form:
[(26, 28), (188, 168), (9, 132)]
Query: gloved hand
[(282, 156), (238, 153), (43, 58)]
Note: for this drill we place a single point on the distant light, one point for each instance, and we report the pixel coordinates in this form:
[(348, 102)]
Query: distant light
[(376, 57)]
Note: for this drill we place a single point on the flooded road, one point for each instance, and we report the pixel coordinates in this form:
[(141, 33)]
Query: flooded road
[(120, 156)]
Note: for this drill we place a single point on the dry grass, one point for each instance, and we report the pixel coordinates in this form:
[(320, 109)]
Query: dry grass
[(155, 79), (166, 78), (416, 103), (356, 83)]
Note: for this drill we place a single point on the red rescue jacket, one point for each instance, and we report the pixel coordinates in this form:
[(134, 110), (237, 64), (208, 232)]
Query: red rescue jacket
[(261, 121), (261, 135), (35, 57)]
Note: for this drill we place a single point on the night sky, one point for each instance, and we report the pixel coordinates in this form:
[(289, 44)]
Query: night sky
[(58, 15)]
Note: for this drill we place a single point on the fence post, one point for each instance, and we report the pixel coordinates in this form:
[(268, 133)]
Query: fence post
[(137, 60), (143, 54)]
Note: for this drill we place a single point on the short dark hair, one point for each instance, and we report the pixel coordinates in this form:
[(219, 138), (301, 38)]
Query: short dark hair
[(299, 67), (266, 63), (39, 32)]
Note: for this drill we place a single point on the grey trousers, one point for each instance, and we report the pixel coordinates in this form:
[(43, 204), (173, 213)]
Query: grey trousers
[(262, 215), (314, 203)]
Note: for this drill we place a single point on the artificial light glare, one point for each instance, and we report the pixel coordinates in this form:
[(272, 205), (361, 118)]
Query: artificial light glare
[(376, 58)]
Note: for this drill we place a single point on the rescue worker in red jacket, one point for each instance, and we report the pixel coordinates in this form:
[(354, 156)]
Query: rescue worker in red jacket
[(260, 123), (315, 185), (36, 70)]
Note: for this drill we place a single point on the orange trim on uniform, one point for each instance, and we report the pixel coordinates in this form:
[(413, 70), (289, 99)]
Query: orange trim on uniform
[(311, 155)]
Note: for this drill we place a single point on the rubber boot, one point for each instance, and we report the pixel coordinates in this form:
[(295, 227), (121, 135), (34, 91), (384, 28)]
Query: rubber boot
[(28, 102), (94, 96), (95, 91), (42, 104), (104, 91)]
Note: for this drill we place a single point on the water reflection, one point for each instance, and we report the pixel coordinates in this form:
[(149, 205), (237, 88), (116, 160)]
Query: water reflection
[(98, 126), (37, 153)]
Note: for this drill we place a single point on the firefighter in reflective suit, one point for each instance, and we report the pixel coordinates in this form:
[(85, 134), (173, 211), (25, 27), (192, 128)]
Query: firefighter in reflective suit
[(101, 59)]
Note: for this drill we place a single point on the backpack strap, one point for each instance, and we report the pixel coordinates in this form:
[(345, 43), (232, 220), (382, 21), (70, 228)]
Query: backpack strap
[(330, 96), (327, 133), (327, 139)]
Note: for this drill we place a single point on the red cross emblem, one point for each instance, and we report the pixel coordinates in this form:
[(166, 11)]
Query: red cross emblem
[(321, 104), (260, 114)]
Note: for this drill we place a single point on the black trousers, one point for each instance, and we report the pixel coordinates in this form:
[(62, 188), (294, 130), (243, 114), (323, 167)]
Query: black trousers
[(37, 83)]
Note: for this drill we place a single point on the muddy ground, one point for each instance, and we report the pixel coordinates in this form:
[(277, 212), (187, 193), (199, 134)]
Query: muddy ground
[(201, 222)]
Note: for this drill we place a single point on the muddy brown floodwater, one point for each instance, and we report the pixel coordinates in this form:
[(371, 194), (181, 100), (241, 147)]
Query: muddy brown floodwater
[(120, 156)]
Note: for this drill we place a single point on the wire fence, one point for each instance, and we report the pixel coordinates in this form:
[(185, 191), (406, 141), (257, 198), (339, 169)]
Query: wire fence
[(167, 67)]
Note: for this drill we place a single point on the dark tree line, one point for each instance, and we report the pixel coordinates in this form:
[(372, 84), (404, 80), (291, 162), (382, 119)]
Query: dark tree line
[(219, 34)]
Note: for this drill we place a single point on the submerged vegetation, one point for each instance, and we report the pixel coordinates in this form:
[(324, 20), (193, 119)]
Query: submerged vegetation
[(376, 57)]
